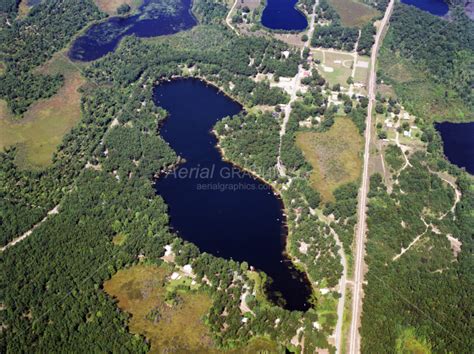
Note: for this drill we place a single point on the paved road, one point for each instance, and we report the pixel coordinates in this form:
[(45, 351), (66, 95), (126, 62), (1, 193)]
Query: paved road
[(354, 336)]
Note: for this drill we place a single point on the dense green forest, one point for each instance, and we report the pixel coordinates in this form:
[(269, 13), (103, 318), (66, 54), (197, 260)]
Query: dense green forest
[(9, 8), (31, 41), (225, 60), (208, 11)]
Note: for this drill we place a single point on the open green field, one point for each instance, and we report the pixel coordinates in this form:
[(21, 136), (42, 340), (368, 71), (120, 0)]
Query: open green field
[(334, 156), (418, 94), (335, 67), (354, 13), (39, 132)]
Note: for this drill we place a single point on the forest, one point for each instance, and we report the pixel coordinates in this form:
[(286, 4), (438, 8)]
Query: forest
[(102, 179), (9, 8), (426, 291)]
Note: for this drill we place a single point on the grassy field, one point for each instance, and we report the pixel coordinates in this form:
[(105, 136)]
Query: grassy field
[(354, 13), (110, 6), (335, 67), (43, 126), (141, 291), (420, 95), (335, 156)]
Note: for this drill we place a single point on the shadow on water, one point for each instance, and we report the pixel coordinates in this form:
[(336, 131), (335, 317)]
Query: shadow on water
[(224, 211), (154, 18)]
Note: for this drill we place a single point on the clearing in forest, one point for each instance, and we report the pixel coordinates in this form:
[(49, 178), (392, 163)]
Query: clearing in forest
[(110, 6), (335, 156), (335, 67), (41, 130), (174, 325), (354, 13)]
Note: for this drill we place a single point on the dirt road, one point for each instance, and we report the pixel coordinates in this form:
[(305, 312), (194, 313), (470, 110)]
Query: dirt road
[(295, 87), (13, 242), (354, 336), (228, 19)]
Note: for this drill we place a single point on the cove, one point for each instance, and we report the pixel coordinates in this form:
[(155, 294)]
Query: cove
[(215, 205), (434, 7), (458, 142), (154, 18), (283, 15)]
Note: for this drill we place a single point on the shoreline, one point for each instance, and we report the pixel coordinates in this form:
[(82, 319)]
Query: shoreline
[(297, 266)]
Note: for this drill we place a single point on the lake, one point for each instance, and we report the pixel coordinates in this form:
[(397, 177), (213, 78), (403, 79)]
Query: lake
[(435, 7), (283, 15), (154, 18), (215, 205), (458, 141)]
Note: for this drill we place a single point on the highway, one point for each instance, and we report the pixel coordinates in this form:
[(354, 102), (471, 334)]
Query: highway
[(354, 335)]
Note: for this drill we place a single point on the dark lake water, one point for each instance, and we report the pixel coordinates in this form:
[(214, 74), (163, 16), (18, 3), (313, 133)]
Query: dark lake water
[(435, 7), (283, 15), (458, 140), (154, 18), (236, 216)]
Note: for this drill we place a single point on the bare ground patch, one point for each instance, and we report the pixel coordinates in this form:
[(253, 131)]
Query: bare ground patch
[(110, 6)]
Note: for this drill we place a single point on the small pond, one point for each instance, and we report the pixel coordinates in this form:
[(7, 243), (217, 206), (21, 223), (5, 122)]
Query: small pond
[(458, 141), (283, 15)]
